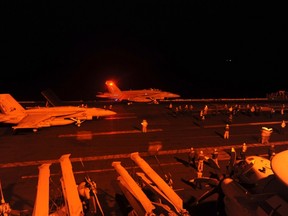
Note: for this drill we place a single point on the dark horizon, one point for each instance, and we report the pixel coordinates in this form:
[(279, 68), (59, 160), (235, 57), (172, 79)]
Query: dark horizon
[(196, 49)]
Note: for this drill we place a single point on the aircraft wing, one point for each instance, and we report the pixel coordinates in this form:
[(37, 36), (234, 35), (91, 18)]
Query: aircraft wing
[(38, 121), (124, 97), (149, 96), (52, 116), (31, 121), (141, 99)]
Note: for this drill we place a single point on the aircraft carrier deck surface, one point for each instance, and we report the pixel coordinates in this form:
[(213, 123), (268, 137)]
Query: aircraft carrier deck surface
[(98, 143)]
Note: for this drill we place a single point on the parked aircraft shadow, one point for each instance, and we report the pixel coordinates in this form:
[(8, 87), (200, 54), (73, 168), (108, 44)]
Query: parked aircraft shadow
[(219, 134), (21, 131), (197, 124), (184, 162)]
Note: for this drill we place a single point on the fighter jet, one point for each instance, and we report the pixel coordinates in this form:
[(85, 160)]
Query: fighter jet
[(144, 95), (38, 117)]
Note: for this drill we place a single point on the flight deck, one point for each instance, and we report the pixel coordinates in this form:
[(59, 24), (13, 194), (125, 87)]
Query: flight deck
[(173, 128)]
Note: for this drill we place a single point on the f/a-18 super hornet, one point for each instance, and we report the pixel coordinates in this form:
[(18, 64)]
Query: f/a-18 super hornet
[(13, 113), (150, 95)]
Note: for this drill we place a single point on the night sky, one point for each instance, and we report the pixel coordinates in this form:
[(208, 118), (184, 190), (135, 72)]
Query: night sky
[(197, 48)]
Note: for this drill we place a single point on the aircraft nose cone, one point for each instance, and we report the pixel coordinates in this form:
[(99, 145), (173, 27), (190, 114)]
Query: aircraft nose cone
[(109, 112), (174, 95), (98, 112)]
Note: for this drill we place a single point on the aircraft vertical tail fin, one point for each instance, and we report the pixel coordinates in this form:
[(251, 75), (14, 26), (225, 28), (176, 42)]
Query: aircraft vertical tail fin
[(52, 98), (112, 87), (8, 105)]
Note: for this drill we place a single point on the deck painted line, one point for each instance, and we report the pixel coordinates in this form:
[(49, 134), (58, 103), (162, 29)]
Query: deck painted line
[(243, 124), (107, 133), (142, 154)]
